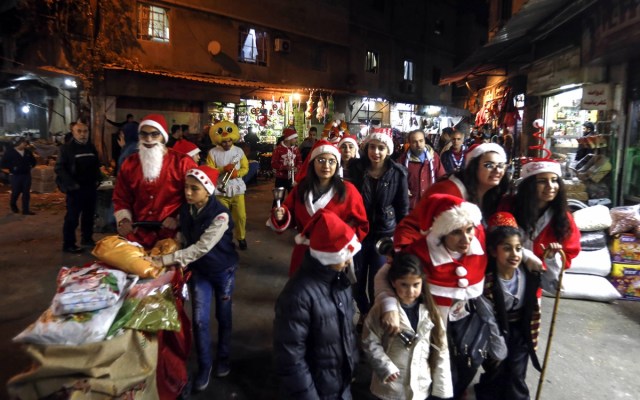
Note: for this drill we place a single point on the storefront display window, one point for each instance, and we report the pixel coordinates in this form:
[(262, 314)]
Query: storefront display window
[(265, 118), (564, 121), (631, 168)]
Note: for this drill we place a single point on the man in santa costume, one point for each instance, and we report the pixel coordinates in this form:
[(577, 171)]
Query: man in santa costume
[(232, 165), (286, 159), (150, 186)]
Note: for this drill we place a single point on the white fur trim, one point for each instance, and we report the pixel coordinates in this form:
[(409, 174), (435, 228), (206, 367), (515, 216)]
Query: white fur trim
[(203, 178), (348, 139), (123, 214), (440, 255), (458, 293), (193, 152), (346, 253), (384, 138), (538, 167), (301, 239), (325, 149), (320, 203), (156, 125), (456, 218), (291, 136), (485, 148)]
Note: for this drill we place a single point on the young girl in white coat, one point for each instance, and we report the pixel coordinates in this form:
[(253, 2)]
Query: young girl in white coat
[(414, 364)]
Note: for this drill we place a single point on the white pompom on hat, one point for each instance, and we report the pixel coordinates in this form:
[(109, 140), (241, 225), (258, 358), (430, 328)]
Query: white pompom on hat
[(383, 137), (445, 213), (206, 175), (535, 166), (158, 122), (479, 149), (331, 240)]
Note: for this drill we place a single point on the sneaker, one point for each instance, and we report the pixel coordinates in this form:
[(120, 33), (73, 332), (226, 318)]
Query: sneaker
[(243, 244), (201, 380), (223, 368)]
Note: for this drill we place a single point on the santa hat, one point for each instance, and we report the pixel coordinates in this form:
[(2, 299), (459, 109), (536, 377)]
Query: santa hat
[(346, 138), (534, 166), (186, 147), (158, 122), (446, 213), (479, 149), (206, 175), (289, 133), (501, 219), (331, 240), (321, 147), (383, 137)]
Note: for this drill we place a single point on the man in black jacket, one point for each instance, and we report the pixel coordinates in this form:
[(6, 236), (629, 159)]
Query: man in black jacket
[(78, 175), (18, 161), (314, 335)]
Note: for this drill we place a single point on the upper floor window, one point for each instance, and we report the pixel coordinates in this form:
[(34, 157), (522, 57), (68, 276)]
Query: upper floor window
[(153, 23), (253, 46), (371, 62), (407, 74)]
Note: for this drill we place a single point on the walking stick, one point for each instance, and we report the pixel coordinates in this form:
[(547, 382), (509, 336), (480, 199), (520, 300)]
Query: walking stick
[(552, 326)]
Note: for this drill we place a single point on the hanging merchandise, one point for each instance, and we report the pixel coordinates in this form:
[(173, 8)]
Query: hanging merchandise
[(539, 136), (320, 110), (309, 112), (330, 107), (508, 112)]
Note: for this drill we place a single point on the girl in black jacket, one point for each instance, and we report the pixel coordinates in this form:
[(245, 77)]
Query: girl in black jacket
[(384, 189)]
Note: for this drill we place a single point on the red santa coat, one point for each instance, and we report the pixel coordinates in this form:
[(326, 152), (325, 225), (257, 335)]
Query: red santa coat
[(408, 229), (281, 158), (140, 200), (543, 235), (451, 279), (351, 211)]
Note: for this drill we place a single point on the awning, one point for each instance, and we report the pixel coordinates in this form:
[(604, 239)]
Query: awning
[(510, 45), (223, 81)]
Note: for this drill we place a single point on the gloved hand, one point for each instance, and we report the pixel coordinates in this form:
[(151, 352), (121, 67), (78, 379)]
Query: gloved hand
[(234, 174), (229, 167)]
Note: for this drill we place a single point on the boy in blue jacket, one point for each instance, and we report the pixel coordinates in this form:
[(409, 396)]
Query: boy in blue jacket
[(206, 231)]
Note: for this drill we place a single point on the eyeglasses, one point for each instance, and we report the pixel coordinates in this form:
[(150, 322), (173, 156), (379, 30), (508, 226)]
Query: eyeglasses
[(323, 161), (491, 165), (154, 134)]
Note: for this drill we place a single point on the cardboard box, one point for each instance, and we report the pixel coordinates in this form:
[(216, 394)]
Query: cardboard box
[(625, 248), (626, 279)]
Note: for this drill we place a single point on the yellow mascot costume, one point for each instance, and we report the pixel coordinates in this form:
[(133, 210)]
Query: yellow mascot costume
[(232, 164)]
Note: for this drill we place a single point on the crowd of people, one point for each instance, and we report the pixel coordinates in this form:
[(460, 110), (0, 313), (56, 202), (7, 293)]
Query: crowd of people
[(463, 237)]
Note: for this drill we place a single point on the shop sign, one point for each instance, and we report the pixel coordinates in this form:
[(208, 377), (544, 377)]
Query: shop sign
[(596, 97)]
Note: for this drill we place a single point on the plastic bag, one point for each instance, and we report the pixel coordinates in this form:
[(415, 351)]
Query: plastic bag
[(150, 306), (624, 219), (87, 288), (71, 329), (126, 256)]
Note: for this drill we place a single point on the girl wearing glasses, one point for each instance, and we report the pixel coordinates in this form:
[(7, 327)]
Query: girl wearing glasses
[(540, 208), (321, 187), (483, 181), (385, 192)]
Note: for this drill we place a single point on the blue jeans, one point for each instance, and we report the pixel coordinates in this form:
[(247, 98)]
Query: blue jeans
[(206, 285), (367, 264)]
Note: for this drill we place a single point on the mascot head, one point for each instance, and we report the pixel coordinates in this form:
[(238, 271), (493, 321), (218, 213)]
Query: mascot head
[(224, 130)]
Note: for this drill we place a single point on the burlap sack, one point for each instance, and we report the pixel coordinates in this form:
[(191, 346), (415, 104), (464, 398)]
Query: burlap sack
[(123, 367)]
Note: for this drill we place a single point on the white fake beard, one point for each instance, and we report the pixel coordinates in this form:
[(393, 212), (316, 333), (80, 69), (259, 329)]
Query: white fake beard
[(151, 160)]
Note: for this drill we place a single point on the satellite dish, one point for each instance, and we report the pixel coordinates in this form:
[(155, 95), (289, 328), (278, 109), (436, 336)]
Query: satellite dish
[(214, 47)]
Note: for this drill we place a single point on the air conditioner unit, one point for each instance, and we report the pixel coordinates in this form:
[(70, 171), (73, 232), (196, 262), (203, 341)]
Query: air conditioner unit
[(283, 45)]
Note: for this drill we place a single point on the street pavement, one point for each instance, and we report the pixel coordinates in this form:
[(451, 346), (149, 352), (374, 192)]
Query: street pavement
[(595, 349)]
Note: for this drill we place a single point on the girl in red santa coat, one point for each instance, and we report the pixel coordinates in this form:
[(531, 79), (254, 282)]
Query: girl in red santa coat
[(540, 208), (321, 187)]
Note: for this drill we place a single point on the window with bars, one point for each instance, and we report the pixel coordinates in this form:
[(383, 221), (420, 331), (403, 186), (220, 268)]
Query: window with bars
[(253, 45), (371, 62), (153, 23), (407, 74)]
